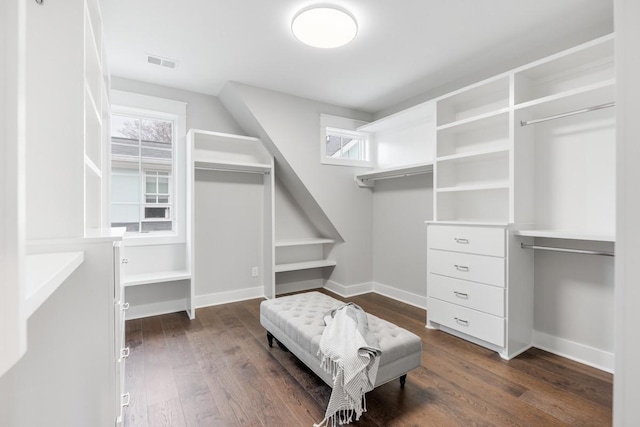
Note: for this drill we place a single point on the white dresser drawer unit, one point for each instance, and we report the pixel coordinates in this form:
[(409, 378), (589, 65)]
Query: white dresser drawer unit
[(476, 268), (473, 240), (485, 298), (471, 322)]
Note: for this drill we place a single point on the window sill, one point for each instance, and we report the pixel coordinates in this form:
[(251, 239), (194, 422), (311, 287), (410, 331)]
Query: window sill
[(343, 162)]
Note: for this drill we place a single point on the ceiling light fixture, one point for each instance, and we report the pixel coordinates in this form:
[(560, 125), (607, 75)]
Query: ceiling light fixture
[(324, 27)]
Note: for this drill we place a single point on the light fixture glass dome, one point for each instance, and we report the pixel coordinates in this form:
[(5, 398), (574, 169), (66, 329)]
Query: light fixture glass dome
[(324, 27)]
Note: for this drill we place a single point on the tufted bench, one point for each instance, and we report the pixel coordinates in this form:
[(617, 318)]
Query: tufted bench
[(297, 322)]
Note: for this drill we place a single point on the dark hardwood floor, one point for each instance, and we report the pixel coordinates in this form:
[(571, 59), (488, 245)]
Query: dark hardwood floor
[(218, 370)]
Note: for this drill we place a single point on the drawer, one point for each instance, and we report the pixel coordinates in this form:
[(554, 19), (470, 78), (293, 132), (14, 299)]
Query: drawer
[(489, 299), (473, 240), (476, 268), (471, 322)]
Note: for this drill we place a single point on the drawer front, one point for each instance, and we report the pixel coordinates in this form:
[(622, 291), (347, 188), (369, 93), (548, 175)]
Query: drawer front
[(489, 299), (477, 268), (473, 240), (480, 325)]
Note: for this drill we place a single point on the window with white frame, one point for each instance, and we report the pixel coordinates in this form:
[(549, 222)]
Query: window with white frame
[(142, 172), (341, 143)]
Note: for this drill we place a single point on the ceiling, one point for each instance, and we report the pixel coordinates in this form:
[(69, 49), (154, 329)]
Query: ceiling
[(403, 47)]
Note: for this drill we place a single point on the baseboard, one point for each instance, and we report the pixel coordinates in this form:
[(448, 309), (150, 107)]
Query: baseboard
[(594, 357), (348, 291), (400, 295), (155, 309), (228, 296)]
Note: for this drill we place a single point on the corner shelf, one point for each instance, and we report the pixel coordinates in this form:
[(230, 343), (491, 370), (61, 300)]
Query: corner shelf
[(45, 273), (395, 172), (295, 266)]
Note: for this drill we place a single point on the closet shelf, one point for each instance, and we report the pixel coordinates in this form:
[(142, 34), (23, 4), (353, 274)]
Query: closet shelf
[(45, 273), (481, 187), (395, 172), (303, 242), (232, 166), (279, 268), (156, 277), (567, 234), (472, 120), (475, 154), (600, 92)]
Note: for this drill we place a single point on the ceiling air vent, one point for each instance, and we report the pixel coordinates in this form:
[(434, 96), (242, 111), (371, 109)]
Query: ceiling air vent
[(163, 62)]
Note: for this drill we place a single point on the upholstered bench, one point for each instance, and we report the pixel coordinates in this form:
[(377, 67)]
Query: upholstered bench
[(297, 322)]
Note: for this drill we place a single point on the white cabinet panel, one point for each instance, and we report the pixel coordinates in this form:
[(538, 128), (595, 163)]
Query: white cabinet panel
[(476, 268), (489, 299)]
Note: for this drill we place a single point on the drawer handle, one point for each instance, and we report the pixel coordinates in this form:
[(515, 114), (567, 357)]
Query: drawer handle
[(125, 306), (461, 267), (461, 294), (125, 400), (461, 241), (462, 321), (124, 352)]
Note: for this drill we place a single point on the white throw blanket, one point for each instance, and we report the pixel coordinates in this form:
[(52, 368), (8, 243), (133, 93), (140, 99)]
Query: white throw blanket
[(351, 354)]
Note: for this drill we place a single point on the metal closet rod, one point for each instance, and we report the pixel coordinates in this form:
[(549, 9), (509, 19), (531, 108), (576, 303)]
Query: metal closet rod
[(569, 250), (570, 113), (231, 170), (400, 175)]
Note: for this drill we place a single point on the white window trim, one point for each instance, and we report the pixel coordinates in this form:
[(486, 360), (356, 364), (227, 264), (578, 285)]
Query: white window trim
[(132, 103), (344, 126)]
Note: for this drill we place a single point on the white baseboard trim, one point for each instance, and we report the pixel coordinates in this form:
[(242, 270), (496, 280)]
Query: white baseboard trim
[(400, 295), (155, 309), (348, 291), (218, 298), (594, 357)]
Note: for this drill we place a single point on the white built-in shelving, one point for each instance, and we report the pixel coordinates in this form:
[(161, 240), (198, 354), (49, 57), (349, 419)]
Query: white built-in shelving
[(304, 265), (222, 152), (156, 277), (368, 179), (302, 254)]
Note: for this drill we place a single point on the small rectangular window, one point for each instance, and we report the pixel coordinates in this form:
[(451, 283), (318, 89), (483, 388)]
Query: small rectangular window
[(342, 144)]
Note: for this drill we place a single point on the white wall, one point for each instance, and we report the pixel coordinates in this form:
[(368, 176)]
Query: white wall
[(400, 207), (626, 393), (291, 125)]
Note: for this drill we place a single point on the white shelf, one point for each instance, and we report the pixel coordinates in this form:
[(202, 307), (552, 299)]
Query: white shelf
[(303, 242), (156, 277), (494, 186), (418, 114), (601, 90), (396, 172), (232, 166), (304, 265), (470, 223), (45, 273), (567, 234), (470, 121), (474, 154)]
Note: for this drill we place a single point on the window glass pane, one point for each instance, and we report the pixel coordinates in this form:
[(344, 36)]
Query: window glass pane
[(163, 185), (125, 186), (153, 153), (351, 150), (334, 143), (124, 214), (152, 212), (123, 150), (151, 187), (125, 130), (150, 199), (157, 131), (156, 226), (162, 199)]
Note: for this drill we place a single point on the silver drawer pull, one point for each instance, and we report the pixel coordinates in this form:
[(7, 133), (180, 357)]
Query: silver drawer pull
[(125, 260), (124, 306), (125, 399), (461, 267), (462, 321), (124, 352), (461, 294), (461, 241)]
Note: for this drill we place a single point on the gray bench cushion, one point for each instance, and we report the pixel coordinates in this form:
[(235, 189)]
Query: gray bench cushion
[(297, 322)]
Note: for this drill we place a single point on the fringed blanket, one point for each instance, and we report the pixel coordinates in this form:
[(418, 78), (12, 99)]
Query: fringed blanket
[(351, 354)]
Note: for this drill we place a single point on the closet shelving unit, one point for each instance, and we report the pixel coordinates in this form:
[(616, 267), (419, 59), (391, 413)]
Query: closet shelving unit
[(222, 152), (403, 143), (301, 254)]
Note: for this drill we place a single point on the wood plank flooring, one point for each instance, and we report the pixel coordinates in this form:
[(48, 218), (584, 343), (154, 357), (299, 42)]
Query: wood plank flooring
[(218, 370)]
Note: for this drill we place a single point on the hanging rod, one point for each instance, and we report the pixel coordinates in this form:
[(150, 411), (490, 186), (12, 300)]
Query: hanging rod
[(400, 175), (570, 113), (573, 251), (232, 170)]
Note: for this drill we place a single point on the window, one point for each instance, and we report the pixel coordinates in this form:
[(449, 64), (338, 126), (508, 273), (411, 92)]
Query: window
[(342, 144), (142, 171)]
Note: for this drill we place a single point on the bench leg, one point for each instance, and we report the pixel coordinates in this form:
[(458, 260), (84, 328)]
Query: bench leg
[(403, 380), (270, 339)]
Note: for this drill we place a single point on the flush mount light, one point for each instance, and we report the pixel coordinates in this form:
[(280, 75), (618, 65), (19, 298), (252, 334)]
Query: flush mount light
[(324, 27)]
